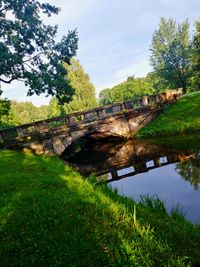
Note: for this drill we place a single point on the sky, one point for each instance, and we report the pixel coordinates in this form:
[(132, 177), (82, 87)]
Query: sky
[(114, 37)]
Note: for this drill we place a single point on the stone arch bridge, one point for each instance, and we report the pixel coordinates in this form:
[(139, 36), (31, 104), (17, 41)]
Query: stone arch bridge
[(53, 136)]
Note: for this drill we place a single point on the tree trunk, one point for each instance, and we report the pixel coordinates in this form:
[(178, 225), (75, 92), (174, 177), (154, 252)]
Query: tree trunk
[(184, 88)]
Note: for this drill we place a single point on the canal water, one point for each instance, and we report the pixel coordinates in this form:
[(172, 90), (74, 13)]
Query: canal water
[(168, 168)]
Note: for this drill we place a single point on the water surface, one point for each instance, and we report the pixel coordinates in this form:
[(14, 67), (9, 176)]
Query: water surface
[(168, 168)]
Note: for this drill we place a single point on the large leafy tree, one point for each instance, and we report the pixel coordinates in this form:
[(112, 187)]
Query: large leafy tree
[(4, 107), (155, 82), (84, 92), (28, 51), (105, 97), (54, 109), (84, 97), (171, 53), (196, 57)]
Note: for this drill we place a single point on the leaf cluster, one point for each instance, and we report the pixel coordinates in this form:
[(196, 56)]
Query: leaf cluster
[(172, 52), (130, 89), (28, 49), (5, 106)]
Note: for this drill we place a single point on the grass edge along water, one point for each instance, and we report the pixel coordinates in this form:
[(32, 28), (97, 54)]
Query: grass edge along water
[(52, 216)]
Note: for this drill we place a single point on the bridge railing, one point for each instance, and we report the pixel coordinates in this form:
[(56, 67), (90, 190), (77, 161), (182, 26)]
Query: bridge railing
[(143, 166), (65, 122)]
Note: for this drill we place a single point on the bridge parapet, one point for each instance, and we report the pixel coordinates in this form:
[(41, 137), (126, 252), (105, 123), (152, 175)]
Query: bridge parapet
[(52, 126), (144, 166)]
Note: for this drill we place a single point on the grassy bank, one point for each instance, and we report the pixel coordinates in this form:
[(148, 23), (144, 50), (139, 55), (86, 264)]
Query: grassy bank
[(51, 216), (182, 117)]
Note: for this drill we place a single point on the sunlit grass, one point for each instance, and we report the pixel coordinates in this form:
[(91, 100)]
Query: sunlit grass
[(51, 216), (182, 117)]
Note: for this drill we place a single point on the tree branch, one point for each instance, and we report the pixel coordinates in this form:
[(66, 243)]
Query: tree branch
[(3, 9), (28, 66), (24, 61), (12, 79), (9, 81)]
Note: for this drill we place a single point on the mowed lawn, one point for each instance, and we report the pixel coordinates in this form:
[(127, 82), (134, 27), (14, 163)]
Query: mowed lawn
[(51, 216), (181, 117)]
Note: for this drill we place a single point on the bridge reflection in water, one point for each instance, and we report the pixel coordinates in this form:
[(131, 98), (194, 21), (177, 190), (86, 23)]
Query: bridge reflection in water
[(145, 166), (113, 162), (138, 168)]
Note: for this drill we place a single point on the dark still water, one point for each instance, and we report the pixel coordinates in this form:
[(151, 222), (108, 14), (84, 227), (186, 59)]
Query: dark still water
[(168, 168)]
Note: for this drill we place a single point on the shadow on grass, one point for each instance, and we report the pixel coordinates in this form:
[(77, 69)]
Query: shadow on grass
[(50, 216)]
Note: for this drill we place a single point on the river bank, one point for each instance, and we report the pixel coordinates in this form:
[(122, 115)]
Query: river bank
[(52, 216), (180, 118)]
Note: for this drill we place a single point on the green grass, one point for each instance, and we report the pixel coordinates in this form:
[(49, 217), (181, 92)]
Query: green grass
[(51, 216), (182, 117)]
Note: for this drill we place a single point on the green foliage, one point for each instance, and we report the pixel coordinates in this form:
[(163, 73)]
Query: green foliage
[(84, 92), (28, 49), (130, 89), (4, 108), (25, 112), (51, 216), (182, 117), (105, 97), (195, 80), (171, 53), (197, 46), (84, 97), (156, 83), (54, 109)]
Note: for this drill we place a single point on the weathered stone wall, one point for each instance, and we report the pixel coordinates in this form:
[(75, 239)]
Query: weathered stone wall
[(124, 125)]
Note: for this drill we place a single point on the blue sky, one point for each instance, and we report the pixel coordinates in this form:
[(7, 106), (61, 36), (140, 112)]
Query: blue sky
[(114, 37)]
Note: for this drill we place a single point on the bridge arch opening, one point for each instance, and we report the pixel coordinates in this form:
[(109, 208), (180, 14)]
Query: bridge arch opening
[(88, 143)]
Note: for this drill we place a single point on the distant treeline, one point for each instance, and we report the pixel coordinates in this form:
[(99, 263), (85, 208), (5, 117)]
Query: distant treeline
[(130, 89)]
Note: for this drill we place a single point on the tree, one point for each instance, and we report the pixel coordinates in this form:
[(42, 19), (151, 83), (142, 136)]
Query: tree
[(105, 97), (130, 89), (54, 109), (29, 52), (42, 112), (196, 57), (84, 92), (18, 113), (22, 112), (156, 83), (171, 53), (84, 97), (4, 108)]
